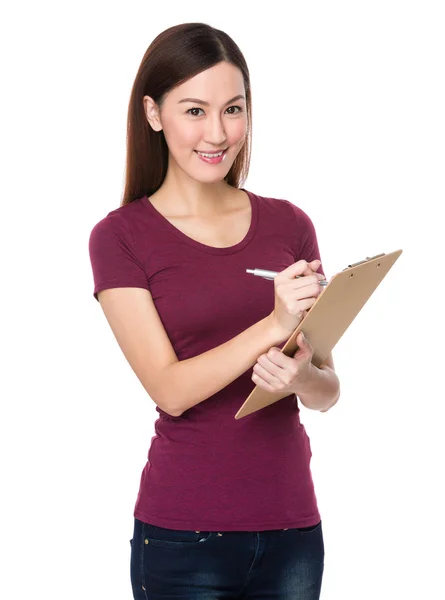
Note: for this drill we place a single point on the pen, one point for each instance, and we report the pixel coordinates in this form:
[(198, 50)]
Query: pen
[(272, 274)]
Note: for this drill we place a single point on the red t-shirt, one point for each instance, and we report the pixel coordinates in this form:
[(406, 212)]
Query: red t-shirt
[(205, 470)]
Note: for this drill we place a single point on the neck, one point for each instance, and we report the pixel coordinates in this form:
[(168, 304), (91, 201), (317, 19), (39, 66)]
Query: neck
[(195, 198)]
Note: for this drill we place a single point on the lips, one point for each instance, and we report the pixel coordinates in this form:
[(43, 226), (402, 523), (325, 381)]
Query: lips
[(212, 153)]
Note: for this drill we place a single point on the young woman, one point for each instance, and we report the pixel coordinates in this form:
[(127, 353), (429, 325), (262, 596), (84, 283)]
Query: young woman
[(226, 508)]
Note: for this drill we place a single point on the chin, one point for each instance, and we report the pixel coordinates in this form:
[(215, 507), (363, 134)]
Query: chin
[(217, 175), (214, 179)]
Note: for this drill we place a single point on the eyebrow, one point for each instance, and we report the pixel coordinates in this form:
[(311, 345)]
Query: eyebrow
[(198, 101)]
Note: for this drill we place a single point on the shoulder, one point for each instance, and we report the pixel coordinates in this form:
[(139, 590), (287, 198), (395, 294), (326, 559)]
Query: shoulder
[(301, 217), (112, 226), (117, 222), (286, 208)]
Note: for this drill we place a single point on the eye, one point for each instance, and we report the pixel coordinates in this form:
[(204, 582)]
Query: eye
[(190, 111), (239, 109)]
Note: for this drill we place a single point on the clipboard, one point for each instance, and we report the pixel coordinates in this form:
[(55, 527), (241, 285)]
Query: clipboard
[(329, 317)]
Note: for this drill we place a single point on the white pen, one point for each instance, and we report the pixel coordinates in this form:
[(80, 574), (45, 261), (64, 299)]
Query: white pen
[(272, 274)]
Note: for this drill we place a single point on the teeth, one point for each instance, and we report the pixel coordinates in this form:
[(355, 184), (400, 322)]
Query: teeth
[(211, 155)]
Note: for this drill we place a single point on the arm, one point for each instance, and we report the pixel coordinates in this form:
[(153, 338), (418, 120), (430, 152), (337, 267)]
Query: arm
[(173, 385), (322, 390), (193, 380)]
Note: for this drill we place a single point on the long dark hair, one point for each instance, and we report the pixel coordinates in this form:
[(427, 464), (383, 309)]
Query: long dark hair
[(175, 55)]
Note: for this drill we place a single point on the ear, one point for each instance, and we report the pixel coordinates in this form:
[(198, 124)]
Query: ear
[(152, 113)]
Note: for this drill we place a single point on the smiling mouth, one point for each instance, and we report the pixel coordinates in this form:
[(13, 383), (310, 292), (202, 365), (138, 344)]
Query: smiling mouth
[(211, 154)]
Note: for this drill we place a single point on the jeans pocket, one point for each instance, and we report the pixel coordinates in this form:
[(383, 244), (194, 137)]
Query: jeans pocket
[(161, 537), (310, 529)]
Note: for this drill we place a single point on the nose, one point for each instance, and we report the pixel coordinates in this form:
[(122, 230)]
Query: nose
[(214, 132)]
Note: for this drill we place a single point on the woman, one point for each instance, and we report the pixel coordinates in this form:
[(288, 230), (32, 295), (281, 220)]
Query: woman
[(226, 508)]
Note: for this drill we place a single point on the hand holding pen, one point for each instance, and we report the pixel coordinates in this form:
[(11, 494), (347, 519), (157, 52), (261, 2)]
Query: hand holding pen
[(272, 274), (296, 291)]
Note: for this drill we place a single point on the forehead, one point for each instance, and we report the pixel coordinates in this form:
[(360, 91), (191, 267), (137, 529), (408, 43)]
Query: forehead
[(216, 84)]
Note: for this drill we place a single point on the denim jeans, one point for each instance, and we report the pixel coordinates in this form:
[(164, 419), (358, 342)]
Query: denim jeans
[(282, 564)]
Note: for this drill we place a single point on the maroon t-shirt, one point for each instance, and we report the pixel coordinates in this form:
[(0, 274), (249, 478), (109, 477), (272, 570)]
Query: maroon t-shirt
[(205, 470)]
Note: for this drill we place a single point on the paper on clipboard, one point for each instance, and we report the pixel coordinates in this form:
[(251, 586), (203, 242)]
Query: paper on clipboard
[(329, 317)]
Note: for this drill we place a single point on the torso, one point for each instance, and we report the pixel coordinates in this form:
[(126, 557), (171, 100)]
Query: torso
[(221, 231)]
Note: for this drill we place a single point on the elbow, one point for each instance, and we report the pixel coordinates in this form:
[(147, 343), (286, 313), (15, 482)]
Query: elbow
[(167, 406), (173, 412), (333, 403), (169, 400), (174, 395), (165, 396)]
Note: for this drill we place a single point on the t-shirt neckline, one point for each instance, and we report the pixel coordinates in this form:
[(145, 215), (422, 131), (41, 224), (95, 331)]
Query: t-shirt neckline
[(204, 247)]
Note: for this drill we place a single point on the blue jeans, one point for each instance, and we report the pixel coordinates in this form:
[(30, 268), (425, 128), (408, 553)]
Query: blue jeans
[(282, 564)]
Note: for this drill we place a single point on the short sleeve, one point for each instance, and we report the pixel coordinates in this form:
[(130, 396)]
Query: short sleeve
[(113, 257), (307, 247)]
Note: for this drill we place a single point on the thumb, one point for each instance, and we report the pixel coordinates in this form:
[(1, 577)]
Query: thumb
[(303, 345), (315, 264), (303, 341)]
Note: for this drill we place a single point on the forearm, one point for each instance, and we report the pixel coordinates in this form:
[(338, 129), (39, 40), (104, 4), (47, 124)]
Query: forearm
[(189, 382), (322, 389)]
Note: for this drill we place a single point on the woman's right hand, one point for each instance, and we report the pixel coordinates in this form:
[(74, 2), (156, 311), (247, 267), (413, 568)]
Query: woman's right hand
[(293, 297)]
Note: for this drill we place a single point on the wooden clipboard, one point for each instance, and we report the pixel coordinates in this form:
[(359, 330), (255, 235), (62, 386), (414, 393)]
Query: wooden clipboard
[(329, 317)]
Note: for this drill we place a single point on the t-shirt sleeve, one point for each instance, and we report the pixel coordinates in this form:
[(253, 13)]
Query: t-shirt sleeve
[(113, 258), (307, 245)]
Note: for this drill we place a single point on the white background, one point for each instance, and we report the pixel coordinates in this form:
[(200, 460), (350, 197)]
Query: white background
[(348, 123)]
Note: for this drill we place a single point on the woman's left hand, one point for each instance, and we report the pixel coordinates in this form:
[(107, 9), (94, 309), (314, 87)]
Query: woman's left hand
[(276, 372)]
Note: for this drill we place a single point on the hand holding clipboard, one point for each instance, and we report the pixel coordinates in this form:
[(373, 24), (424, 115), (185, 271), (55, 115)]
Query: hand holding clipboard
[(329, 316)]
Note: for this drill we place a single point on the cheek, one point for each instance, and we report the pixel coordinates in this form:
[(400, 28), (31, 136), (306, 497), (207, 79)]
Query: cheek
[(180, 134), (236, 131), (189, 137)]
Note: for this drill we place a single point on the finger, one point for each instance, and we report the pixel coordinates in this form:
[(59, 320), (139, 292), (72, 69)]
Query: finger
[(257, 380), (304, 282), (306, 279), (304, 343), (281, 375), (312, 267), (265, 375), (279, 360), (295, 269), (303, 349), (266, 364)]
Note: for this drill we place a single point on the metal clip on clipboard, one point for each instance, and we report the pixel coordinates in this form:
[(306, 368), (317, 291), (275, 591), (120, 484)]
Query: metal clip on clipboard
[(360, 262)]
